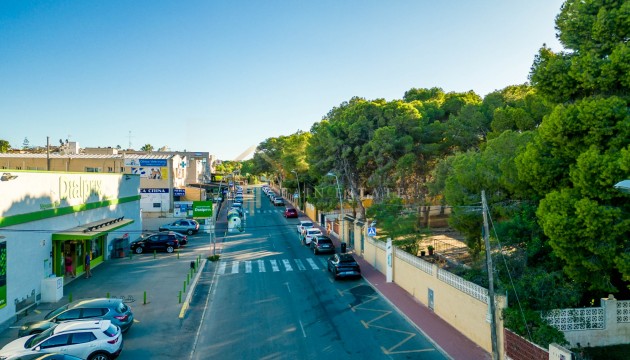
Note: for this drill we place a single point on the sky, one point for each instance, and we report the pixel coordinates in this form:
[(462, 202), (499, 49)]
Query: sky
[(223, 76)]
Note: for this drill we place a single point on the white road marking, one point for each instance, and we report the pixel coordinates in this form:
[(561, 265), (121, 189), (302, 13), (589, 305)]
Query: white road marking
[(261, 266), (302, 327), (234, 267), (287, 265), (248, 267), (222, 268), (300, 265), (312, 263), (274, 265)]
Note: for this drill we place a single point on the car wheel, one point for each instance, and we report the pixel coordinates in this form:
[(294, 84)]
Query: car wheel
[(189, 232), (139, 250), (169, 249), (99, 356)]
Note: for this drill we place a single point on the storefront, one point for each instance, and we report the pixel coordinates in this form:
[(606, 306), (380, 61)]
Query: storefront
[(45, 216), (90, 239)]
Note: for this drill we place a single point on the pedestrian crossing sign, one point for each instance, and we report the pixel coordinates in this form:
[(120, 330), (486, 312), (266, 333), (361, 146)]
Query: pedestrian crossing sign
[(372, 231)]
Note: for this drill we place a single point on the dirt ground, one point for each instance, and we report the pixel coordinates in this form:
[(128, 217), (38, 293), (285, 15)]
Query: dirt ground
[(449, 247)]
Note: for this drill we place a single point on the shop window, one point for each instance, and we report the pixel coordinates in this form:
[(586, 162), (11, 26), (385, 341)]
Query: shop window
[(110, 169), (92, 169), (97, 249)]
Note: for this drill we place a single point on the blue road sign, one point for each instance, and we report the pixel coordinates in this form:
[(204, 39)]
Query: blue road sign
[(371, 231)]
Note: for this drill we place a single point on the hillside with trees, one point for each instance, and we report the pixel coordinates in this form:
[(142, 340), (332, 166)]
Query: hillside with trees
[(547, 154)]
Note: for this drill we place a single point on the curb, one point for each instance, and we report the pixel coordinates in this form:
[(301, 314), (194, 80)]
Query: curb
[(191, 290)]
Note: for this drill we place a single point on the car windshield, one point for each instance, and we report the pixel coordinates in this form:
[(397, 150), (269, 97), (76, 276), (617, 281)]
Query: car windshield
[(36, 339), (346, 259), (307, 224), (324, 241), (56, 312)]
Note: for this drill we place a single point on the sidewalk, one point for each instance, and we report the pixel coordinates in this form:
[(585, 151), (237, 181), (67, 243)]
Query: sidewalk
[(444, 336)]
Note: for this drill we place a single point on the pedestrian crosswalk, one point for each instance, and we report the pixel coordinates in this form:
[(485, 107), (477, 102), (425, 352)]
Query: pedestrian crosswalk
[(266, 211), (275, 265)]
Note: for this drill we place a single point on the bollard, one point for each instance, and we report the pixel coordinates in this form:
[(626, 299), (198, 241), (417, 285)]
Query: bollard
[(180, 297), (184, 285), (178, 253), (192, 266), (145, 298), (107, 296), (155, 254), (188, 278), (70, 297)]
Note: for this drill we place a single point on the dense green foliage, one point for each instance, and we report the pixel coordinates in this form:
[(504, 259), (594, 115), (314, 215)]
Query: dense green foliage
[(547, 156)]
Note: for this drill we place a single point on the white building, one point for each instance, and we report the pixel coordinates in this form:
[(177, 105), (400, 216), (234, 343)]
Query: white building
[(45, 216)]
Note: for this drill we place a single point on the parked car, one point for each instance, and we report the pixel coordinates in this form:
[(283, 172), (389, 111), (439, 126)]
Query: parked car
[(321, 244), (290, 213), (183, 239), (51, 356), (162, 241), (309, 234), (87, 339), (184, 226), (343, 265), (279, 201), (303, 225), (112, 309)]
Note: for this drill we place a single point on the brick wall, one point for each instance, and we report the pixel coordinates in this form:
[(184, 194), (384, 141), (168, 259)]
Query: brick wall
[(518, 348)]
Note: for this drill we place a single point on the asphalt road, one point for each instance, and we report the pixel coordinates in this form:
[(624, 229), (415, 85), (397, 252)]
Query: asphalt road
[(269, 297)]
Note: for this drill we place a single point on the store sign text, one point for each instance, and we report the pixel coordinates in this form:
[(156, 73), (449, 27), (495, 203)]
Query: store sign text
[(80, 188)]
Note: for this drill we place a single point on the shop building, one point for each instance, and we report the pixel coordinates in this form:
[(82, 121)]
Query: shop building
[(48, 216)]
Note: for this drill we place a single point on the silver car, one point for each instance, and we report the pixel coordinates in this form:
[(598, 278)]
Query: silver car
[(184, 226)]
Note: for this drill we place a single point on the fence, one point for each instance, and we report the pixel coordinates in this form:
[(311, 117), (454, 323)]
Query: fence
[(463, 304), (606, 325)]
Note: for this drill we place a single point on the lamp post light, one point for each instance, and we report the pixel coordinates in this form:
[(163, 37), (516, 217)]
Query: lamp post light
[(298, 184), (340, 204)]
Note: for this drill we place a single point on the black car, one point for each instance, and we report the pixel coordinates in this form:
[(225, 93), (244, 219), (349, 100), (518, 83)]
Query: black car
[(343, 265), (109, 309), (321, 244), (163, 241)]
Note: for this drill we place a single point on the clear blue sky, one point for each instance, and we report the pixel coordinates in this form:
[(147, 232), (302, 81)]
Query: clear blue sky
[(221, 76)]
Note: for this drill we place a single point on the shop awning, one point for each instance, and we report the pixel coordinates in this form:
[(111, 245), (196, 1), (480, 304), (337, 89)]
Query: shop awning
[(91, 230)]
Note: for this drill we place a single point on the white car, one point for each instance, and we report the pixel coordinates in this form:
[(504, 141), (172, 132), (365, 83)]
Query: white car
[(86, 339), (309, 234), (303, 225)]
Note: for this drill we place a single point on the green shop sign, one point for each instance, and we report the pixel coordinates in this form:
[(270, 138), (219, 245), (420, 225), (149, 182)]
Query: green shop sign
[(202, 209)]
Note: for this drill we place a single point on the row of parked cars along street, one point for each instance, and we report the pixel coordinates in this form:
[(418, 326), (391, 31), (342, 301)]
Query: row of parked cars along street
[(84, 329), (341, 265)]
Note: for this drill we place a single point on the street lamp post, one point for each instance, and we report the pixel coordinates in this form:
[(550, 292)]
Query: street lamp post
[(340, 204), (298, 184)]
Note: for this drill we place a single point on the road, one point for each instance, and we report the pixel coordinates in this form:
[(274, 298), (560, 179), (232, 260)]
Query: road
[(269, 297)]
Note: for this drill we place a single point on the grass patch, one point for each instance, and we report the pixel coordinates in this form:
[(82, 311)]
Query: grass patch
[(214, 257)]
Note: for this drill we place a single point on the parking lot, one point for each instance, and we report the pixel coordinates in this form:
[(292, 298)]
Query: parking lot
[(158, 332)]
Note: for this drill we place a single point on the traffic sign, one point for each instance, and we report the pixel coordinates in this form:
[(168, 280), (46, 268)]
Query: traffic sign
[(372, 231)]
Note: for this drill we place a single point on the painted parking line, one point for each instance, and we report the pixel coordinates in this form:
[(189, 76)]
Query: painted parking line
[(248, 267), (234, 267), (261, 266)]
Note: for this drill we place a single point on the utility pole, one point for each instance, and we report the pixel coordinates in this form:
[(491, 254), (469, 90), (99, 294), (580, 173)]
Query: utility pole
[(493, 320)]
